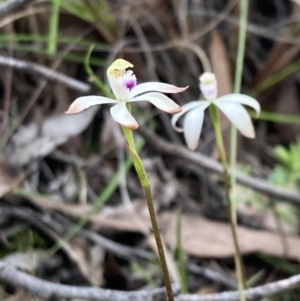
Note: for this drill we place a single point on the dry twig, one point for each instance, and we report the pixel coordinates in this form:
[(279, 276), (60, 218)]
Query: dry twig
[(12, 5), (49, 225), (212, 165), (46, 73), (48, 290), (251, 294)]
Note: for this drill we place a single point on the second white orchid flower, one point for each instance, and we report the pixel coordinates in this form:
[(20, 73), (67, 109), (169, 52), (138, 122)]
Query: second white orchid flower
[(125, 89), (230, 105)]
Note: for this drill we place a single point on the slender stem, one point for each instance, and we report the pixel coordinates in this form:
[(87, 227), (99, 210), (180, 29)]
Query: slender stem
[(231, 210), (237, 89), (144, 179), (233, 144), (241, 45)]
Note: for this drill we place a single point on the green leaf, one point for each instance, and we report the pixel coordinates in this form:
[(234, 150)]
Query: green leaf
[(282, 154)]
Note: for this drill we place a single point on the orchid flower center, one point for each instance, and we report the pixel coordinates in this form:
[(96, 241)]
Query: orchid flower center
[(118, 71), (128, 79), (208, 86)]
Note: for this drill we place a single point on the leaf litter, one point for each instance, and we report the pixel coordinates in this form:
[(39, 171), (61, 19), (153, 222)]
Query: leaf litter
[(204, 239), (35, 141)]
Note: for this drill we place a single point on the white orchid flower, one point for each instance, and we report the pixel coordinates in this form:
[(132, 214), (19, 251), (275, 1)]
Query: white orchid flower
[(125, 89), (230, 105)]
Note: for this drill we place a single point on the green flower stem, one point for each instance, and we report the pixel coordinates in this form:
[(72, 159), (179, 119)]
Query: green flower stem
[(233, 143), (144, 179), (237, 89), (231, 209)]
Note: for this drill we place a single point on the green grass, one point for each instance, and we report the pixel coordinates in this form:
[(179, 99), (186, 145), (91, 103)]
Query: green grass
[(276, 78), (37, 44), (277, 117), (53, 28)]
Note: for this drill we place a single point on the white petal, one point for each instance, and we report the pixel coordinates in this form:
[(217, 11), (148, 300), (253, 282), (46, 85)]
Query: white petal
[(202, 104), (192, 125), (84, 102), (155, 87), (119, 90), (238, 115), (121, 115), (241, 99), (161, 101)]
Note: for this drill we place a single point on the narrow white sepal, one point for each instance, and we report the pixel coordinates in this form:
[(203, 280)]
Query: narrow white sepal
[(154, 87), (121, 115), (238, 116), (159, 100), (82, 103), (192, 126), (203, 104), (241, 99)]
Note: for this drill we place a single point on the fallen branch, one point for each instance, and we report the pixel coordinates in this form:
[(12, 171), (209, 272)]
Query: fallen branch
[(255, 293), (40, 220), (206, 162), (46, 221), (48, 290), (46, 73), (11, 5)]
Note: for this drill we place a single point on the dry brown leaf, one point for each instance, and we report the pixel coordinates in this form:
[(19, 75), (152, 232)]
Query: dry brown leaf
[(38, 140), (220, 66), (201, 237), (9, 178), (204, 238), (72, 210), (75, 249)]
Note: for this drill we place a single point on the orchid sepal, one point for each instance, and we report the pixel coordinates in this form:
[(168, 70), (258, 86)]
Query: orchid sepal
[(125, 89), (155, 87), (82, 103), (159, 100), (230, 105)]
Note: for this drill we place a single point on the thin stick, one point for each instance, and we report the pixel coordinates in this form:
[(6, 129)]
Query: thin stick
[(144, 179), (47, 290), (198, 159), (11, 5), (237, 89), (46, 73), (52, 291)]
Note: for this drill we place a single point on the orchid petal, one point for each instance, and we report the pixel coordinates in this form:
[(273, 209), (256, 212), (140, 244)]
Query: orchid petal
[(84, 102), (203, 104), (155, 87), (238, 115), (121, 115), (119, 90), (241, 99), (192, 125), (159, 100)]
